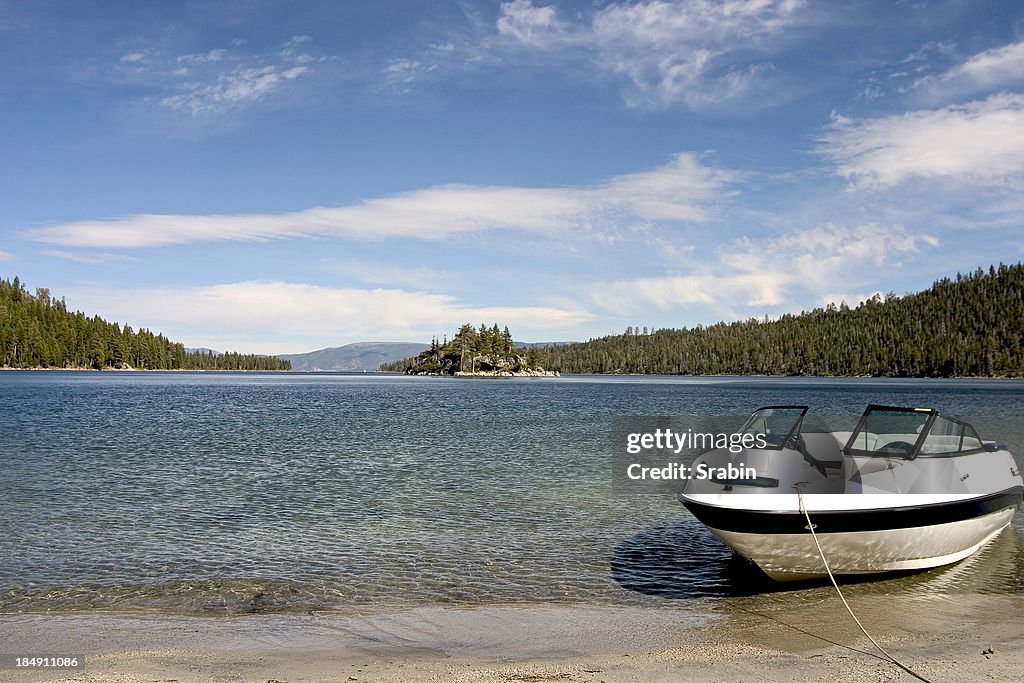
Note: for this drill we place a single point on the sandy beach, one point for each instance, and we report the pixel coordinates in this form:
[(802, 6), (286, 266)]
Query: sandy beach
[(764, 638)]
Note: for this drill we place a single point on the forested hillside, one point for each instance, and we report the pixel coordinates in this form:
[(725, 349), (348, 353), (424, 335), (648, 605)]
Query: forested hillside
[(972, 325), (37, 330)]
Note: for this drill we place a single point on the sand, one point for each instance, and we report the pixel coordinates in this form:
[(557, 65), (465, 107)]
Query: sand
[(760, 638)]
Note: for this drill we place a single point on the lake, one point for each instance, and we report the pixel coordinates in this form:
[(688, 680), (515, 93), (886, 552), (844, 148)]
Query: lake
[(226, 494)]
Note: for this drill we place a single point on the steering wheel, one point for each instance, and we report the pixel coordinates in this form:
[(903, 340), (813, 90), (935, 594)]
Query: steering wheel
[(896, 447)]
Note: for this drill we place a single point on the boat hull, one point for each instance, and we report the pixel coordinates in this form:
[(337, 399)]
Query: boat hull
[(858, 541)]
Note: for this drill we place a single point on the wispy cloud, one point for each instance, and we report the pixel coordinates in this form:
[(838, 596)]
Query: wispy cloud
[(399, 74), (937, 73), (538, 26), (6, 256), (197, 58), (981, 141), (694, 54), (995, 69), (244, 315), (216, 81), (231, 91), (914, 66), (133, 57), (772, 272), (681, 190), (91, 258)]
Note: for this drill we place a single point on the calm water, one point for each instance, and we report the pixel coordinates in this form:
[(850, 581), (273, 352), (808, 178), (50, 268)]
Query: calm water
[(239, 493)]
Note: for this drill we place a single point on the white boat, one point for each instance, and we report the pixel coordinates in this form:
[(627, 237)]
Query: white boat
[(907, 489)]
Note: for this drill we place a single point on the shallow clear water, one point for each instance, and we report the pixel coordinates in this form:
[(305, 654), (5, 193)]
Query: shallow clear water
[(215, 493)]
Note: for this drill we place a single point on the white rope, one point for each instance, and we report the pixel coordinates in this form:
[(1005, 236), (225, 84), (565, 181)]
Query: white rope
[(821, 553)]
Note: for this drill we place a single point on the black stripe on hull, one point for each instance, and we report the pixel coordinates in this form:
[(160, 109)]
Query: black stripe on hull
[(846, 521)]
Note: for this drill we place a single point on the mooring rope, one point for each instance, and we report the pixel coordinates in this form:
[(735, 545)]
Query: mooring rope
[(821, 553)]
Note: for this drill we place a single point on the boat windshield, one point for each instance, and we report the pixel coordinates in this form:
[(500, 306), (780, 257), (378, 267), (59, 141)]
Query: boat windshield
[(779, 425), (910, 432)]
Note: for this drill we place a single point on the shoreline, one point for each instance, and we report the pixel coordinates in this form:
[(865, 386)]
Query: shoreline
[(37, 369), (488, 375), (505, 375), (968, 637)]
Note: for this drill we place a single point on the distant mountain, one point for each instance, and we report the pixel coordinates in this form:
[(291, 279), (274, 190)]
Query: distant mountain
[(359, 356), (542, 345), (202, 349)]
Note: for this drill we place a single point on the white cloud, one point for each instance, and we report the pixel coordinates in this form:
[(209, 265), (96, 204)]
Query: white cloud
[(678, 191), (995, 66), (696, 54), (399, 74), (215, 55), (292, 52), (528, 24), (851, 299), (770, 272), (981, 141), (231, 91), (216, 81), (6, 256), (88, 257), (990, 70), (928, 51), (911, 69), (719, 292), (245, 316)]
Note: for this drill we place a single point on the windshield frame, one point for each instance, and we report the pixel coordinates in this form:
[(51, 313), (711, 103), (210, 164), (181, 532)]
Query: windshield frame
[(790, 439), (931, 416)]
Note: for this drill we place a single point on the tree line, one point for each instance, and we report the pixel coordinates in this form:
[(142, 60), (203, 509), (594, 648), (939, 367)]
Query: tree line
[(38, 331), (487, 349), (970, 325)]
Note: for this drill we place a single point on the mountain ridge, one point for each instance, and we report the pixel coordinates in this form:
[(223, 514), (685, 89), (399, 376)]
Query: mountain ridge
[(357, 356)]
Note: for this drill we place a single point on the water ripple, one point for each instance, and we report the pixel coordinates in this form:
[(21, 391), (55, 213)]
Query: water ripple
[(237, 494)]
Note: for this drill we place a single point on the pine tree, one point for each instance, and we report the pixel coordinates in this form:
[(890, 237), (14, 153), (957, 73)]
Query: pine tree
[(38, 331)]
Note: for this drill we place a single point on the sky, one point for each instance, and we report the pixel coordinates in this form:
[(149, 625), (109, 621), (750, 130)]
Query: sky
[(278, 177)]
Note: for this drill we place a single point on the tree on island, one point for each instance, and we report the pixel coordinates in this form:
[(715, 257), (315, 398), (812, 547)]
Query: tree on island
[(472, 351)]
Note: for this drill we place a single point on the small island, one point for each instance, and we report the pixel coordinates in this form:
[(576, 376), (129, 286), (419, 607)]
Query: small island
[(484, 352)]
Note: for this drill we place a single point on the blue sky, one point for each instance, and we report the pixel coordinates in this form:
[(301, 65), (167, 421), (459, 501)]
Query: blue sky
[(281, 177)]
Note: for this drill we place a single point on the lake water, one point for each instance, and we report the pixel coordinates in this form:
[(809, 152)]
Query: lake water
[(225, 494)]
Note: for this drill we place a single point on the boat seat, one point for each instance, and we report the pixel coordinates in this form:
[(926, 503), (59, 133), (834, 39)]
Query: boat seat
[(822, 448), (883, 440)]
